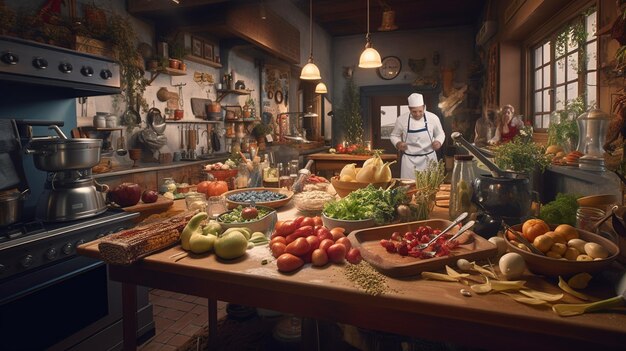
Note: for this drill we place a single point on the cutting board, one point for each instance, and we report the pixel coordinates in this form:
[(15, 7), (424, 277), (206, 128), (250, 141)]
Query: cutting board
[(198, 107), (161, 204), (472, 247)]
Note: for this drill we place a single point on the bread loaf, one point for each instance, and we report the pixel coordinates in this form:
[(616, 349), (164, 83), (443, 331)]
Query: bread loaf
[(127, 246)]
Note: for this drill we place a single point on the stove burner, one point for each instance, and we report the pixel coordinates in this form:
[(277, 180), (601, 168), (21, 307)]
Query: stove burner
[(19, 229)]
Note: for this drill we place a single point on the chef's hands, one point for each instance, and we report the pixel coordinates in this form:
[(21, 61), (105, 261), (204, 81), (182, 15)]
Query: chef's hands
[(436, 145), (401, 146)]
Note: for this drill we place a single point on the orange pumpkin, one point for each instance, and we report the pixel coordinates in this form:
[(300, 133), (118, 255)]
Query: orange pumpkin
[(217, 188)]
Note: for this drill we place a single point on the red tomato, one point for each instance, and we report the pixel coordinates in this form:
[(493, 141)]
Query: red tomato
[(307, 221), (323, 233), (278, 249), (345, 242), (298, 247), (288, 262), (278, 239), (318, 220), (326, 243), (203, 187), (314, 242), (319, 257), (354, 256), (336, 253)]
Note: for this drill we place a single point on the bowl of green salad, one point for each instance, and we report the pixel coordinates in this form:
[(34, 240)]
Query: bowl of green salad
[(256, 218)]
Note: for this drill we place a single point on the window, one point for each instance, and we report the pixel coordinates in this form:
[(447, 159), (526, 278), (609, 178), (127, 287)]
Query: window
[(388, 116), (564, 68)]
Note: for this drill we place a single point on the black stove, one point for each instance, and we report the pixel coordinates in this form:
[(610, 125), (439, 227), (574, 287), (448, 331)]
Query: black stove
[(27, 246)]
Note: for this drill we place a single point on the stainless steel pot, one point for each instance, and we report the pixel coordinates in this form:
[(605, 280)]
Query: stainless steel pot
[(11, 205), (57, 154)]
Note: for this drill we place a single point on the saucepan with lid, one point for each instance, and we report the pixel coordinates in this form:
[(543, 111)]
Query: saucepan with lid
[(54, 154)]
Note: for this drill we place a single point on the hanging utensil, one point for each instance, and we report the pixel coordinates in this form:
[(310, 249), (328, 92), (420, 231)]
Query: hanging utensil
[(496, 172)]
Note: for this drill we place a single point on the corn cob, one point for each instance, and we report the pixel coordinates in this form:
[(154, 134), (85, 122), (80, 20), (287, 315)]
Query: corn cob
[(128, 246)]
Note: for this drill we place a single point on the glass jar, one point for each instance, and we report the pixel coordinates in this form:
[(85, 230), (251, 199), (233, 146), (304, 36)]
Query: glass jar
[(169, 185), (284, 179), (216, 205), (587, 217), (243, 176), (461, 186), (196, 201)]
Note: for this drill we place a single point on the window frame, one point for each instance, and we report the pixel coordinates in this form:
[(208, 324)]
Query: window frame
[(537, 39)]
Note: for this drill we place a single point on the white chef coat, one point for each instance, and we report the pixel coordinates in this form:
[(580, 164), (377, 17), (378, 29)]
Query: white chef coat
[(419, 136)]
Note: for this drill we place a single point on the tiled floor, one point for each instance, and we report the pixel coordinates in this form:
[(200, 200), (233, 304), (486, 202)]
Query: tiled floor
[(177, 318)]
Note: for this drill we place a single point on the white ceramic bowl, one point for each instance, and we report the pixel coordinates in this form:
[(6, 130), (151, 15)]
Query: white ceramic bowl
[(349, 226)]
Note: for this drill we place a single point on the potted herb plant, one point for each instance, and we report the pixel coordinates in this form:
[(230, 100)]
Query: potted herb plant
[(259, 132)]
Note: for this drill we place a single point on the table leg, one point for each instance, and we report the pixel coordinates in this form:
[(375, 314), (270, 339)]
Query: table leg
[(212, 304), (129, 315)]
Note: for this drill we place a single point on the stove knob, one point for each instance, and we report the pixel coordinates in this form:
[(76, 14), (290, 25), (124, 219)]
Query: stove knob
[(67, 248), (26, 261), (10, 59), (65, 67), (106, 74), (86, 71), (40, 63), (51, 253)]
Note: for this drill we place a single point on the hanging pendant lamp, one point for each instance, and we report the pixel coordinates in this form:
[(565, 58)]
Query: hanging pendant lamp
[(310, 70), (320, 88), (370, 58)]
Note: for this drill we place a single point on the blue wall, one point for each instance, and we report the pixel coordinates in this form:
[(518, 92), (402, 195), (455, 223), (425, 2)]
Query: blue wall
[(22, 102)]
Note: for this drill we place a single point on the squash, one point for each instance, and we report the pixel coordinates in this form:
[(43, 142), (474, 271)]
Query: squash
[(212, 188)]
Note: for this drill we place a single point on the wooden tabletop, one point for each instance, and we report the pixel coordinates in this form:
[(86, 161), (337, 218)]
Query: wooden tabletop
[(412, 306)]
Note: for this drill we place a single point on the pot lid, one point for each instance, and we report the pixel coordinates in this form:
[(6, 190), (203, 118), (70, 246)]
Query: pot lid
[(594, 114), (61, 141)]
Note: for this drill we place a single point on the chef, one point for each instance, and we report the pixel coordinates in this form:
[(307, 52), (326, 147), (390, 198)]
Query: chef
[(417, 134)]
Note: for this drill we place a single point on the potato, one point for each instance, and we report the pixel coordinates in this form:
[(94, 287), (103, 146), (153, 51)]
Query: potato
[(595, 250)]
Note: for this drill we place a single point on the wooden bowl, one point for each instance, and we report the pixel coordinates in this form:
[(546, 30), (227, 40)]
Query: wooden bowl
[(553, 267), (602, 201), (273, 204), (349, 226), (345, 188)]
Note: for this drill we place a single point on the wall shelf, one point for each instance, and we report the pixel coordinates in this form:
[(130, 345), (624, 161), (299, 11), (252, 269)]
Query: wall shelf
[(165, 70), (221, 93), (193, 122)]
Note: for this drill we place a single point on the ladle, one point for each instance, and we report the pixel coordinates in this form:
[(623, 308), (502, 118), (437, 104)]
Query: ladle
[(496, 172), (121, 150)]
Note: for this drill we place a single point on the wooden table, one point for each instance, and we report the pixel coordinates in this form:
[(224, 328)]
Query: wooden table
[(333, 163), (414, 307)]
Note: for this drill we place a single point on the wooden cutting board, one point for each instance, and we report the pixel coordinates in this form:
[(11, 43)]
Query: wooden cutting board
[(473, 247), (161, 204)]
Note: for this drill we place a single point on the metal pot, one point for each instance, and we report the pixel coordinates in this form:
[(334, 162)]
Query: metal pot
[(11, 205), (56, 154), (503, 197)]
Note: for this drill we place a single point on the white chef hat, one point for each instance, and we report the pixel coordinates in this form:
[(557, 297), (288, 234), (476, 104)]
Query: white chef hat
[(415, 100)]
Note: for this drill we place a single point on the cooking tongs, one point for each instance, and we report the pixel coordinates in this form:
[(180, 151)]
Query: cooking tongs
[(496, 172)]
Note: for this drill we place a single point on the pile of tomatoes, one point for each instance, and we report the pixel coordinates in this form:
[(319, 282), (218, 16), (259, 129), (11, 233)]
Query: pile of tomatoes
[(306, 240), (407, 244)]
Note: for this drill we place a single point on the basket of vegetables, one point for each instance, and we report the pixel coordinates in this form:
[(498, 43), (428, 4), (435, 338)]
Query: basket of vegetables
[(373, 172)]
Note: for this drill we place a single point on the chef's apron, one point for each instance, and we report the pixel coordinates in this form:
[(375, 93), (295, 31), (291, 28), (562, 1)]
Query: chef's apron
[(419, 149)]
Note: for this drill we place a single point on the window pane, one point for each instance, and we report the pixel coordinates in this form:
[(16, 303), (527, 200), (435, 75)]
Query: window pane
[(388, 115), (538, 59), (591, 88), (571, 44), (546, 101), (572, 91), (404, 109), (590, 26), (546, 76), (537, 121), (538, 103), (560, 71), (591, 80), (546, 121), (572, 66), (546, 52), (560, 97), (538, 81), (592, 61)]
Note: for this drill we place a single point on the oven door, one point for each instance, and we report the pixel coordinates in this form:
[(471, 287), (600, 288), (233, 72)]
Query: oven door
[(58, 306)]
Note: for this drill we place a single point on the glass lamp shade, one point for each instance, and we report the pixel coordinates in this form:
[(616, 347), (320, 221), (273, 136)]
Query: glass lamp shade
[(310, 71), (370, 58), (320, 88)]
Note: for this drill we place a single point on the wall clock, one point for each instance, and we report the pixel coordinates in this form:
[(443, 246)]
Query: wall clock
[(390, 69)]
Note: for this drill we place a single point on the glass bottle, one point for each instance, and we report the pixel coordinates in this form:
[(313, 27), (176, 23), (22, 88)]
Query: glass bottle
[(461, 186)]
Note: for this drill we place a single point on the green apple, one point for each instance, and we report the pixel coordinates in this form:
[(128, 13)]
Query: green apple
[(201, 243), (231, 245)]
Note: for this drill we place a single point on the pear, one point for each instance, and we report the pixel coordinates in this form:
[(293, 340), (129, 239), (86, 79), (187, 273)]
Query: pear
[(348, 170), (201, 243)]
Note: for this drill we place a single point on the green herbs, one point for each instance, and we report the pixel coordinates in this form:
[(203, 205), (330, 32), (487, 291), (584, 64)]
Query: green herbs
[(367, 203), (521, 156), (560, 211)]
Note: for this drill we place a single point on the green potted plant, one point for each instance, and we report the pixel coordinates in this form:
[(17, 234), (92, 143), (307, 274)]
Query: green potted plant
[(563, 129), (349, 114), (177, 52)]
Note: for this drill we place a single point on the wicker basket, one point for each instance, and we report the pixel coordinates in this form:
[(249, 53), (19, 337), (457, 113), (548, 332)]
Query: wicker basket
[(223, 174)]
